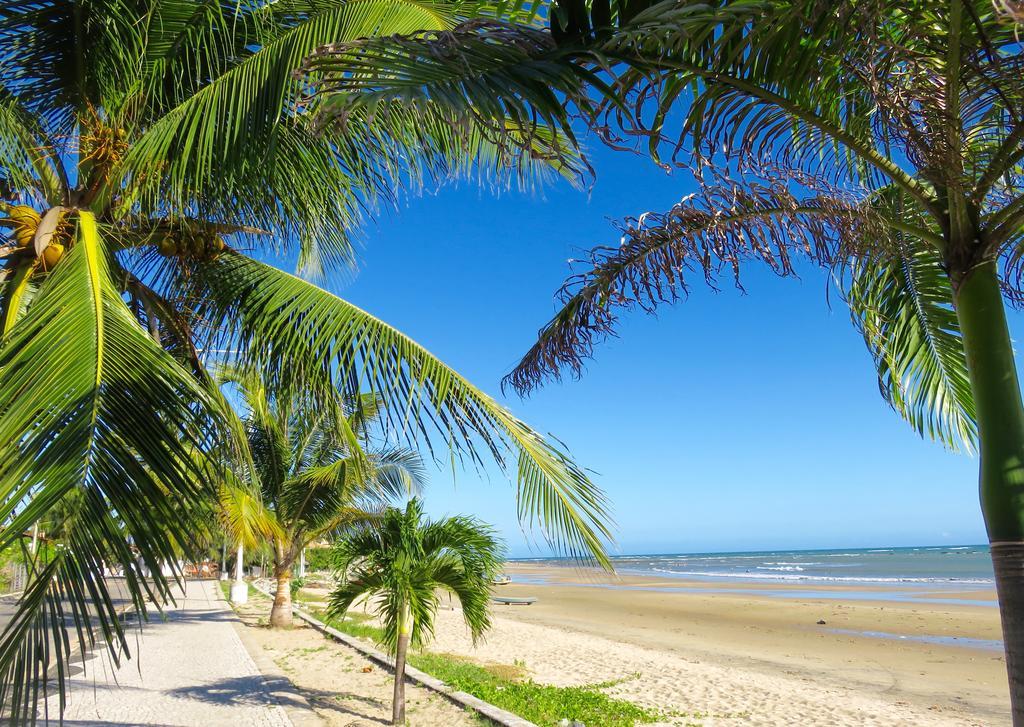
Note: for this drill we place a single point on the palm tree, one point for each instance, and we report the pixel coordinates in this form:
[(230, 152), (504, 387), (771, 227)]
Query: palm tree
[(401, 563), (882, 141), (153, 155), (315, 472)]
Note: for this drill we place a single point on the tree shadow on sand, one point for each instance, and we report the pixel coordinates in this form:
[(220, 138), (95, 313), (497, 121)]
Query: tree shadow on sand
[(267, 690)]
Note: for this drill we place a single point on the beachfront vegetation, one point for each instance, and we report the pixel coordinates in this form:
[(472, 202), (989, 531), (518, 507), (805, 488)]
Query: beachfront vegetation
[(318, 559), (153, 156), (505, 685), (401, 563), (314, 470), (542, 704), (881, 141)]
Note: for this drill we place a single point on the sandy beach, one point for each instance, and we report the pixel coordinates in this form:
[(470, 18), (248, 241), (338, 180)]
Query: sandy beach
[(717, 658), (700, 652)]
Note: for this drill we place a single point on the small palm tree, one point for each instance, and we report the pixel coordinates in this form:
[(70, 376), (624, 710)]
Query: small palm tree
[(314, 472), (401, 562)]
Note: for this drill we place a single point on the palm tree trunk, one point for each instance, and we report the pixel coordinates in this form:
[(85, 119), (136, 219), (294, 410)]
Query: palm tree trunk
[(398, 701), (281, 612), (1000, 416)]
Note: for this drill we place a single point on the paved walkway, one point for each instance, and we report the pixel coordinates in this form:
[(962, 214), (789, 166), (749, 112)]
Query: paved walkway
[(191, 669)]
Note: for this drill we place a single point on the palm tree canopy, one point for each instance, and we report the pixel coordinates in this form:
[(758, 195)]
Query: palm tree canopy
[(403, 561), (153, 154), (872, 138), (315, 466)]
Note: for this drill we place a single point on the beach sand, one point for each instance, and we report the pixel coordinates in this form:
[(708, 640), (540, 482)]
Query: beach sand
[(330, 676), (748, 658)]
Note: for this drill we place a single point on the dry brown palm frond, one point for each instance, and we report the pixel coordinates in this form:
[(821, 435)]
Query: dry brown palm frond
[(734, 219)]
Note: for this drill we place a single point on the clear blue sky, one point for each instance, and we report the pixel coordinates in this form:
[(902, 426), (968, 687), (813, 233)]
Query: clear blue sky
[(729, 422)]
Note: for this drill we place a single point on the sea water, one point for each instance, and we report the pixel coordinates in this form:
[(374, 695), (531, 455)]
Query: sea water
[(966, 566)]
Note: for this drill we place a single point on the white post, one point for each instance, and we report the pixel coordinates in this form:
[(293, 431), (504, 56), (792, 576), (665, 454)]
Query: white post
[(35, 537), (302, 563), (239, 589), (224, 560)]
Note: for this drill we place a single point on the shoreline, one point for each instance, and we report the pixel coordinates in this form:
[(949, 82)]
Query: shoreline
[(950, 592)]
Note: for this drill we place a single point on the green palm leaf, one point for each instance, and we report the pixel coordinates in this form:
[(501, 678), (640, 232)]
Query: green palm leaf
[(294, 332), (511, 80), (400, 561), (91, 404), (904, 309), (26, 157)]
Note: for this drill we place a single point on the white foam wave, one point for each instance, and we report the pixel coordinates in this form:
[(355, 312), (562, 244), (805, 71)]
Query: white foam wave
[(827, 579)]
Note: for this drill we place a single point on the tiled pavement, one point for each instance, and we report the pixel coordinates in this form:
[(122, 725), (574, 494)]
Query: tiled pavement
[(190, 669)]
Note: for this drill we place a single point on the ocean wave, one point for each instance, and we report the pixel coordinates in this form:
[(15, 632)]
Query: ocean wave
[(780, 567), (827, 579)]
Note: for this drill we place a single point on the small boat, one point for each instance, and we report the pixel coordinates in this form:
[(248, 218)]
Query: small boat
[(502, 580), (513, 601)]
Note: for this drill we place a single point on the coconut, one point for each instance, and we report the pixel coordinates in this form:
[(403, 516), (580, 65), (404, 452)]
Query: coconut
[(52, 255), (168, 247), (26, 221)]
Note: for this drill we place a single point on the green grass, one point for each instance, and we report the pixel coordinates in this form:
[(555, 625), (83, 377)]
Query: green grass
[(353, 624), (225, 588), (543, 704)]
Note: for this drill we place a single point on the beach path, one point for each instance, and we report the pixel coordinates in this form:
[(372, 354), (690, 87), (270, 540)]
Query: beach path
[(188, 669)]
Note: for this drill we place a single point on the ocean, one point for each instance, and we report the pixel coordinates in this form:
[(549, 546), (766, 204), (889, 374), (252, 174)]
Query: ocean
[(961, 565)]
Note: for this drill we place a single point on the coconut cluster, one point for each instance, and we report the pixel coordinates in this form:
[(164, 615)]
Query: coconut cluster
[(202, 245), (25, 222)]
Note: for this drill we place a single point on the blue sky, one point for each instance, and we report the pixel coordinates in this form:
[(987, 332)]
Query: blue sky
[(728, 422)]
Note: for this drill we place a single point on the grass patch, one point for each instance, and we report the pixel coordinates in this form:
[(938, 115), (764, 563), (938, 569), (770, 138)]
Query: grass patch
[(542, 704), (353, 624), (225, 588), (303, 595), (503, 685)]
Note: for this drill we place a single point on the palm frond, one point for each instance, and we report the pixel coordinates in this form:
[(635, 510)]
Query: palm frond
[(396, 473), (72, 55), (27, 160), (242, 130), (244, 515), (904, 308), (710, 234), (92, 405), (512, 82), (313, 497), (292, 332)]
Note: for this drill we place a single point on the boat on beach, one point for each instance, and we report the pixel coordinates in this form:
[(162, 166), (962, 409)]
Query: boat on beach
[(515, 601)]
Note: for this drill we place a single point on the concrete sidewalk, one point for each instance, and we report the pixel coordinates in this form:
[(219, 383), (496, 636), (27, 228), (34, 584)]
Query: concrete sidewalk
[(191, 669)]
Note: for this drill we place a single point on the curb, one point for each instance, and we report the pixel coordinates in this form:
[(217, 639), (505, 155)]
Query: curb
[(488, 710), (300, 712)]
